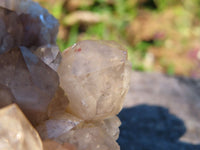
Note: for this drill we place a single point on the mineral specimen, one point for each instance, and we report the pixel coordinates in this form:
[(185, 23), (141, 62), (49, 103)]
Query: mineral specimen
[(30, 80), (95, 77), (16, 133)]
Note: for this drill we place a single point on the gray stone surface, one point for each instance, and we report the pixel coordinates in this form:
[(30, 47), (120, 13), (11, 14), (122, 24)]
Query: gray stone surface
[(181, 96)]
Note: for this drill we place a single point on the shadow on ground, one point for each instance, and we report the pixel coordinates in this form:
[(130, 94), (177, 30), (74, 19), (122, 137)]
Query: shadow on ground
[(146, 127)]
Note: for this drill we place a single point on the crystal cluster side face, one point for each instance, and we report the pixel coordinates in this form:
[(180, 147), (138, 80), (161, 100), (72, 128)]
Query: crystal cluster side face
[(95, 77), (16, 133)]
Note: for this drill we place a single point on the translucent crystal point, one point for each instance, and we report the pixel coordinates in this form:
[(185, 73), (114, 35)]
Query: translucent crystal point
[(95, 77), (49, 54), (16, 133)]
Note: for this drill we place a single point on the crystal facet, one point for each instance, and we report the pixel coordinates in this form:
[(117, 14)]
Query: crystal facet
[(95, 77), (31, 81), (16, 133)]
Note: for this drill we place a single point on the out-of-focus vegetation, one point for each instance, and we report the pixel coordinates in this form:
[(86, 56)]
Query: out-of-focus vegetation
[(160, 35)]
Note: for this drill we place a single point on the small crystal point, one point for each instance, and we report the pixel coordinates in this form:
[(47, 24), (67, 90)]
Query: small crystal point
[(95, 77), (50, 55), (16, 133)]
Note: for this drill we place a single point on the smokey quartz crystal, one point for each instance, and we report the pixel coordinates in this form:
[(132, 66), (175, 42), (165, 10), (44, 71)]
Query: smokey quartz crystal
[(39, 27), (30, 81)]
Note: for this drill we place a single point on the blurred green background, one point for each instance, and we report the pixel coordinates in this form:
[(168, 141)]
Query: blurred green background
[(160, 35)]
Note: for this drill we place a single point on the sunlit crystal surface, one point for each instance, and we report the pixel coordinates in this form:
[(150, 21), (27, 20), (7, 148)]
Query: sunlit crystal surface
[(30, 80), (16, 133), (95, 77)]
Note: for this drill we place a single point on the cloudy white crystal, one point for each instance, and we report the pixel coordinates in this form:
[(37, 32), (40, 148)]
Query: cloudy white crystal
[(95, 77)]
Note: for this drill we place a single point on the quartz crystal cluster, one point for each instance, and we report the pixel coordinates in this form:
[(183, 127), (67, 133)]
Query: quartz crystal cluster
[(71, 99)]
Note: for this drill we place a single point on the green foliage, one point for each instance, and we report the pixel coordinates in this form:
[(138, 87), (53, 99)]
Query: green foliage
[(142, 47), (162, 4), (170, 69), (98, 30), (73, 35), (57, 10)]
